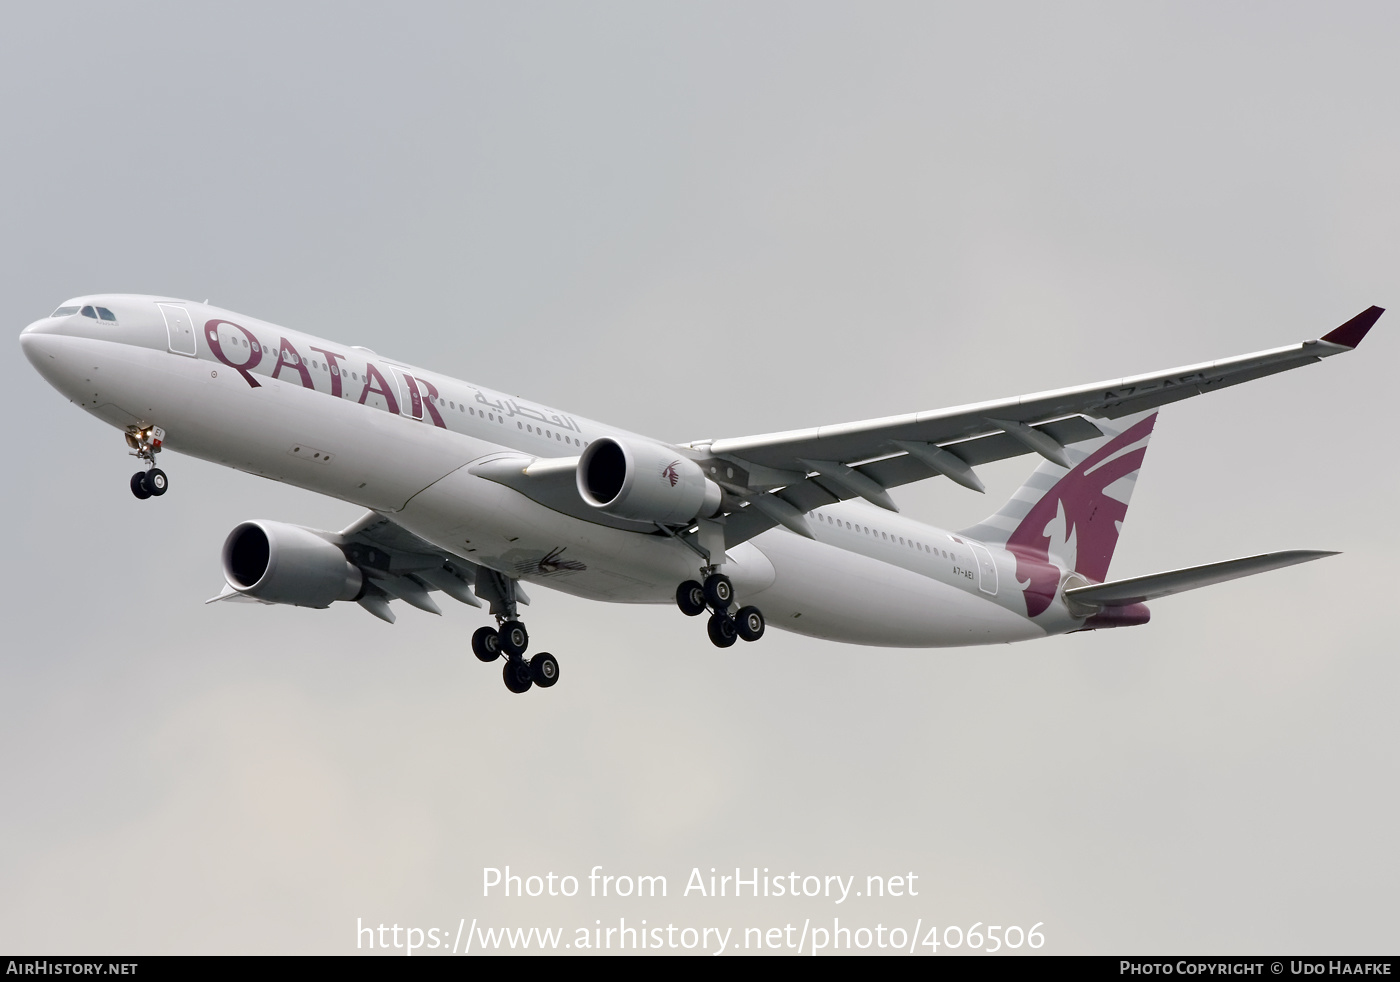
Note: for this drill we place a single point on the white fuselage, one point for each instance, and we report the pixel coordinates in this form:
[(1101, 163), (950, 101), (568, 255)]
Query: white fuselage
[(401, 440)]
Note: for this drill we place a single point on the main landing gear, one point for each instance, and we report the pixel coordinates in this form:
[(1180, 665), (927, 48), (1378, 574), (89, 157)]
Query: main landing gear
[(489, 644), (145, 444), (511, 640), (716, 594)]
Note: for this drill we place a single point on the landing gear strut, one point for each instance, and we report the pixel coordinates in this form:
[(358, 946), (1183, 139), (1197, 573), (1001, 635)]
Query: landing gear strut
[(716, 594), (510, 638), (145, 444)]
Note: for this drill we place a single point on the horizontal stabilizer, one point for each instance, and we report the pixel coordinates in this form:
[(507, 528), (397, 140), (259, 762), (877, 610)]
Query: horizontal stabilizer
[(1139, 589)]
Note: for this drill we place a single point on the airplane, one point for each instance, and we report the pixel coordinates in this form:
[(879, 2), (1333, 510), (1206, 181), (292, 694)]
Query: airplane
[(473, 493)]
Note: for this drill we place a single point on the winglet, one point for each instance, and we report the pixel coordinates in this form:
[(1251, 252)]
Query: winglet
[(1350, 334)]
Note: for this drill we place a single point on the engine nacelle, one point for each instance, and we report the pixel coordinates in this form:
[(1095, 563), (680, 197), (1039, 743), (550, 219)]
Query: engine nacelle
[(287, 564), (645, 482)]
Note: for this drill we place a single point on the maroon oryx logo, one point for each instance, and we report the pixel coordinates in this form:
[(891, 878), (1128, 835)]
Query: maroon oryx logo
[(671, 474)]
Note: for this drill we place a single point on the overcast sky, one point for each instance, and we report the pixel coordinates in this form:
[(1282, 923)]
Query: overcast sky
[(706, 220)]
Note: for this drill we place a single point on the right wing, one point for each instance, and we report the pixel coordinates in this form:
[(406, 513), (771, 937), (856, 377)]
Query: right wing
[(776, 478)]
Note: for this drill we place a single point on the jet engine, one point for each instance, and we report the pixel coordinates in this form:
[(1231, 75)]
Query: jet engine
[(287, 564), (645, 482)]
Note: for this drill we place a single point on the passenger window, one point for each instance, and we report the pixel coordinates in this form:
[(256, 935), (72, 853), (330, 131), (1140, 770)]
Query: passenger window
[(89, 312), (106, 314)]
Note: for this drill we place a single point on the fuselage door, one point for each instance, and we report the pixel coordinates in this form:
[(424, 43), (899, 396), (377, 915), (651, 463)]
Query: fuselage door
[(179, 327), (410, 397), (986, 569)]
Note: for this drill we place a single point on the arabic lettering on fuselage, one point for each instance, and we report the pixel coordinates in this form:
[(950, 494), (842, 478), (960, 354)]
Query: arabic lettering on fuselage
[(421, 393), (510, 408)]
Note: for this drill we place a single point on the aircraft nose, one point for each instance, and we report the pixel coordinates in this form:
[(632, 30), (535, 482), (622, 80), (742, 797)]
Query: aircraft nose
[(44, 325), (36, 340)]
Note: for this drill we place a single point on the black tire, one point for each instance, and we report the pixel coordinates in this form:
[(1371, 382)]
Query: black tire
[(514, 638), (138, 485), (156, 481), (544, 669), (486, 644), (719, 592), (690, 598), (722, 631), (749, 623), (516, 675)]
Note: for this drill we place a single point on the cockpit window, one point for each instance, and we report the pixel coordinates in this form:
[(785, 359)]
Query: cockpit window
[(106, 314), (89, 312), (64, 312)]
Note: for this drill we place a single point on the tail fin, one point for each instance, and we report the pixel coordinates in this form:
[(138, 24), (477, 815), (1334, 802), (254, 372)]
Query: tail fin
[(1071, 519)]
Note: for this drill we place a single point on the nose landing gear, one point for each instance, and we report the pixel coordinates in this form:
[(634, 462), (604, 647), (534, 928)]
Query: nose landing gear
[(145, 444), (716, 594)]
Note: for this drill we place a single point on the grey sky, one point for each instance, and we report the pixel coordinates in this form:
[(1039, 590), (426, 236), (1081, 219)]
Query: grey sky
[(711, 220)]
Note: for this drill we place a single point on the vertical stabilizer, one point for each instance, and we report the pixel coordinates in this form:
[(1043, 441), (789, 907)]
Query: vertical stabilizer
[(1062, 520)]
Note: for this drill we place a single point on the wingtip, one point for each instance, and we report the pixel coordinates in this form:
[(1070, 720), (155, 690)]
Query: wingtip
[(1349, 335)]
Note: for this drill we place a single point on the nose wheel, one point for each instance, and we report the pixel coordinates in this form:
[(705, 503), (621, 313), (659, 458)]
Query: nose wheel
[(151, 483), (145, 444), (716, 594)]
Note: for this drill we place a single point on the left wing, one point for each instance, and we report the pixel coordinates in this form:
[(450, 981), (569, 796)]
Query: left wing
[(398, 565), (777, 477)]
